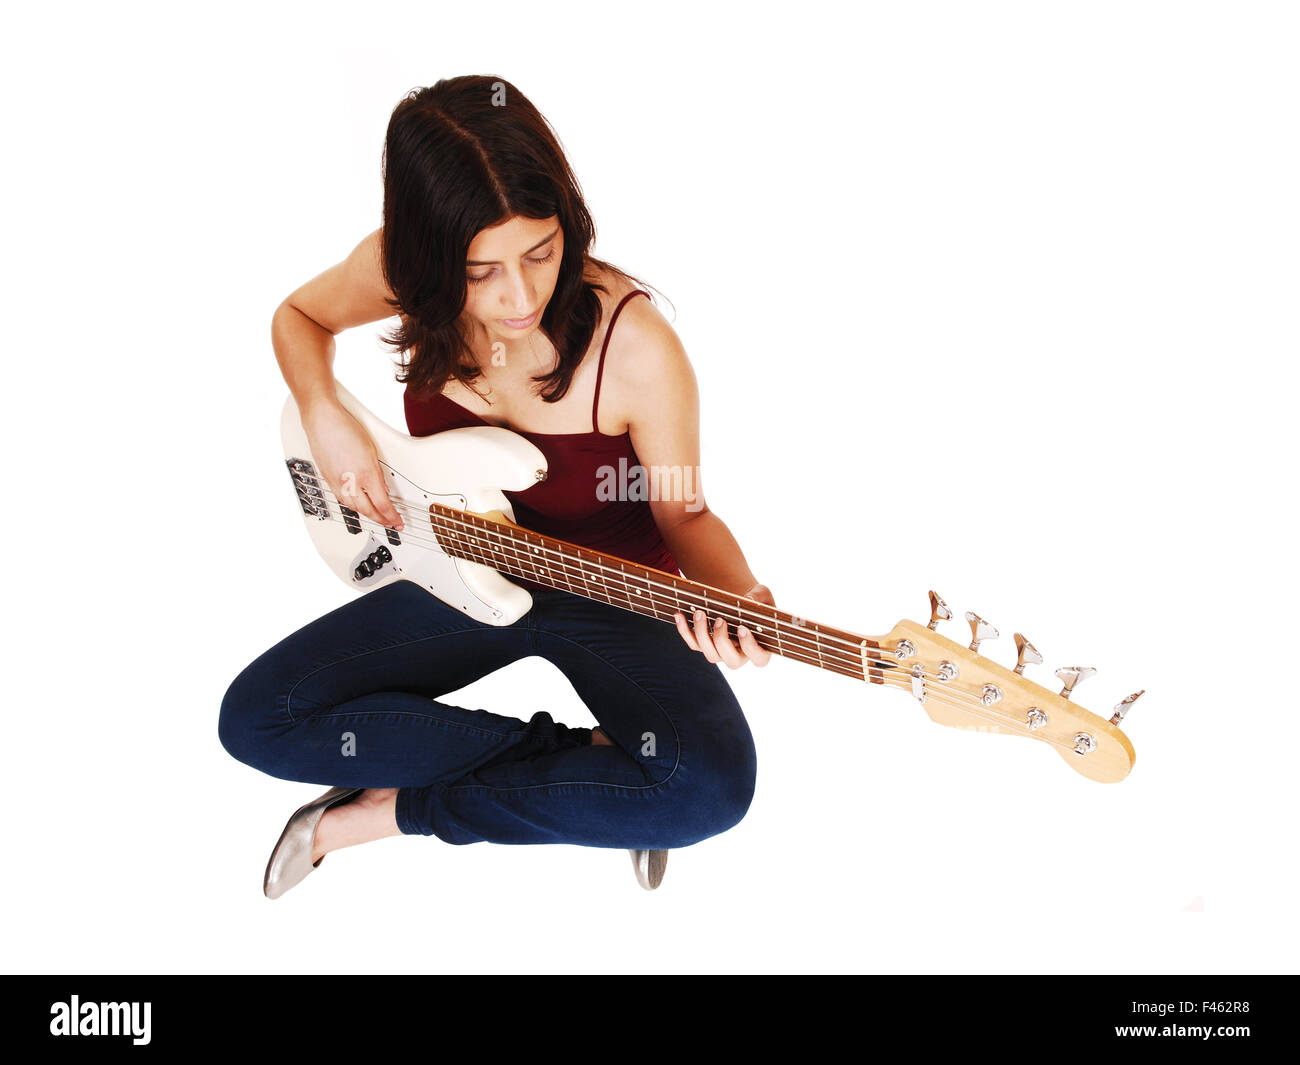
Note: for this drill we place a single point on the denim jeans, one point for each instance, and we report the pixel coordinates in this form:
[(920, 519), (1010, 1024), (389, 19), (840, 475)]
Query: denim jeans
[(354, 699)]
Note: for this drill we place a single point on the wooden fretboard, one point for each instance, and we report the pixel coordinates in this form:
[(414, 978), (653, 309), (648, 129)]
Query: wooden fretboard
[(515, 551)]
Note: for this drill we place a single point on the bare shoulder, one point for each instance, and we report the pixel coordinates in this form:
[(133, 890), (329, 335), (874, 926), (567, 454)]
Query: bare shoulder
[(350, 293), (646, 365)]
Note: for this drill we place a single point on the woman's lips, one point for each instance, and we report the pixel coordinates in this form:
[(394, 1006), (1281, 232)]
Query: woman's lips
[(520, 323)]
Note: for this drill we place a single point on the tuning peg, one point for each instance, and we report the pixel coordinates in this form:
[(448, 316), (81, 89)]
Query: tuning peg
[(1125, 706), (1026, 654), (1072, 676), (938, 610), (980, 630)]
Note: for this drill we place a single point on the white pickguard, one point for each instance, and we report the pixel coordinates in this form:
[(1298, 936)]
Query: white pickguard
[(467, 469)]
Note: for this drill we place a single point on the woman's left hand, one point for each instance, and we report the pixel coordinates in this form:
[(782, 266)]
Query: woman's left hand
[(713, 640)]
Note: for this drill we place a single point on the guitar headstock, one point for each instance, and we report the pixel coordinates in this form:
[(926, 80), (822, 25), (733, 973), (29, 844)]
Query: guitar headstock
[(961, 688)]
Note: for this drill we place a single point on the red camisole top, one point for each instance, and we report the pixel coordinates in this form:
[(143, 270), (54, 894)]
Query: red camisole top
[(566, 504)]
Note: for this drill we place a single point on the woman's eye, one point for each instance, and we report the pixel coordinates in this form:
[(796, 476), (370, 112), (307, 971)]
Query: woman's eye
[(486, 277)]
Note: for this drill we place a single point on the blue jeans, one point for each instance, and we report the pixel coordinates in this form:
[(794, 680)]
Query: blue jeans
[(353, 699)]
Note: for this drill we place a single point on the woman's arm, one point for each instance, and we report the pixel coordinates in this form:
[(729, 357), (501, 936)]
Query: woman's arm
[(303, 328), (655, 386)]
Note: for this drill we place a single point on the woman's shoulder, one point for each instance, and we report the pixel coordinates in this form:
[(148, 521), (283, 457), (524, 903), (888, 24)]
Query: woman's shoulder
[(610, 288), (645, 361), (638, 324), (637, 315)]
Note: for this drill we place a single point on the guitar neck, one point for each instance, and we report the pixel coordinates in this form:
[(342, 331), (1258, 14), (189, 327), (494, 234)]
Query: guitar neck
[(497, 542)]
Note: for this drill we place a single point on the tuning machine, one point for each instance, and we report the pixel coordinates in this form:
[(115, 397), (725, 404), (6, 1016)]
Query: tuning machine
[(938, 610), (1072, 677), (980, 630), (1124, 706), (1026, 654)]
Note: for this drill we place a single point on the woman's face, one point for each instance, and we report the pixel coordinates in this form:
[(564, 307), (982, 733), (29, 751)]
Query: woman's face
[(510, 273)]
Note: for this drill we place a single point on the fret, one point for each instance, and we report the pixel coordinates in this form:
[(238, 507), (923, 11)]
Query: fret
[(640, 589), (458, 537), (491, 550), (600, 572), (446, 536), (573, 571), (642, 605), (562, 570), (471, 542), (510, 537), (554, 568), (592, 577), (626, 598), (496, 553), (679, 601), (537, 561), (583, 562), (666, 600)]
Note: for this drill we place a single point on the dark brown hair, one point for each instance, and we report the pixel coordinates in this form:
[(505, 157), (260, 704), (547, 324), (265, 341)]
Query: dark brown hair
[(467, 154)]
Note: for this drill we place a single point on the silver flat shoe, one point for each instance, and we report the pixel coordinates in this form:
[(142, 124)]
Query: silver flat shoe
[(291, 860), (649, 866)]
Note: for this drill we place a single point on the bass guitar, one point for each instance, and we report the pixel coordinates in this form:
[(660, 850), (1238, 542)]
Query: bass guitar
[(460, 543)]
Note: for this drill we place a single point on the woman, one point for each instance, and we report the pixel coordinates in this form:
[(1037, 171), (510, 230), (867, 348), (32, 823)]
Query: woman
[(507, 320)]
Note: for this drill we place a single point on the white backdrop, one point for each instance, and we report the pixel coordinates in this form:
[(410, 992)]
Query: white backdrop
[(997, 299)]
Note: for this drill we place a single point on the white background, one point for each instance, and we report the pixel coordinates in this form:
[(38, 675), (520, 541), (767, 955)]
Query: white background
[(992, 298)]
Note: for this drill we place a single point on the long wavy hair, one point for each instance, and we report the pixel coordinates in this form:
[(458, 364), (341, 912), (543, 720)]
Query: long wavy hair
[(467, 154)]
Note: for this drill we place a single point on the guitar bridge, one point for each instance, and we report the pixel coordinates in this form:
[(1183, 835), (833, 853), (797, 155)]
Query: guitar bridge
[(305, 483)]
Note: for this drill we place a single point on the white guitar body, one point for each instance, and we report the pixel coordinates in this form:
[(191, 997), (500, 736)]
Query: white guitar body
[(466, 469)]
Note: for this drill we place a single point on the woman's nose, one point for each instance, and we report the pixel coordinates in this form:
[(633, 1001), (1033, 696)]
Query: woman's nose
[(520, 302)]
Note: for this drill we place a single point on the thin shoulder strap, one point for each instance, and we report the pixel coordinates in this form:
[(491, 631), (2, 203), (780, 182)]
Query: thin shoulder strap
[(600, 369)]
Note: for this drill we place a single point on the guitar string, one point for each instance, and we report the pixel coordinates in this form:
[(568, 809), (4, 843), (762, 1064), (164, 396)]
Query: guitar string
[(854, 668), (475, 533), (564, 563), (820, 645), (899, 675), (899, 678)]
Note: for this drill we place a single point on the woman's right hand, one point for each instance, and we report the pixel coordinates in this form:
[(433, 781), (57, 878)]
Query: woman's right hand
[(346, 460)]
